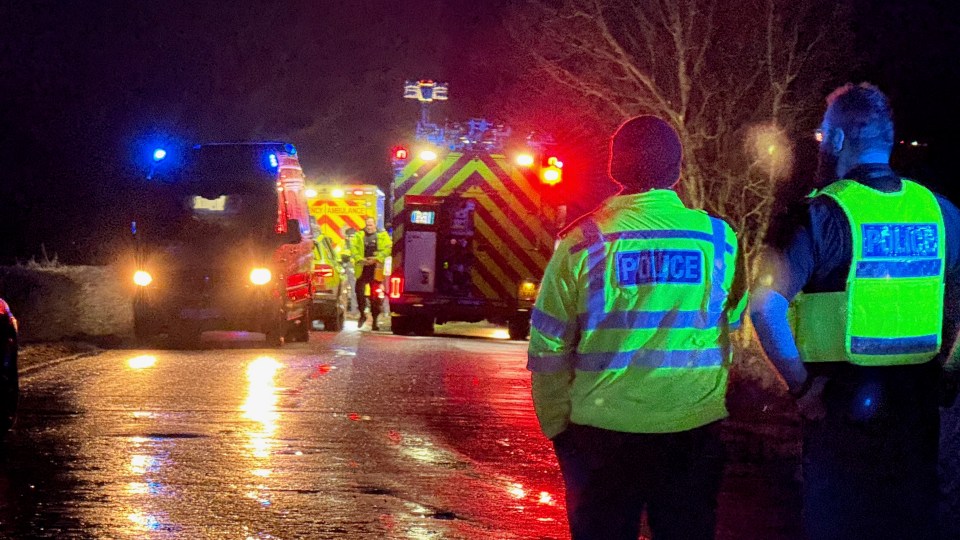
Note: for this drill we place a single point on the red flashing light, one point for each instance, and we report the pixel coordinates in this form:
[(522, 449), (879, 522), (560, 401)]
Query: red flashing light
[(551, 173), (400, 153), (396, 286), (551, 176)]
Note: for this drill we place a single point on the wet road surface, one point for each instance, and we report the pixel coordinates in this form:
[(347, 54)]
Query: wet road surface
[(353, 435)]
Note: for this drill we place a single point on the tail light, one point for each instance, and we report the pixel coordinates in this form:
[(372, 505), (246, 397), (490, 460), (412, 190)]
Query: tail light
[(396, 286), (298, 286), (320, 273)]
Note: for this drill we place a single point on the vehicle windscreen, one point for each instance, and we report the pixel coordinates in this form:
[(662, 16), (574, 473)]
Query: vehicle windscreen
[(219, 195)]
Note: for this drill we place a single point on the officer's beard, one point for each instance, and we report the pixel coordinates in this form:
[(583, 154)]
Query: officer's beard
[(826, 168)]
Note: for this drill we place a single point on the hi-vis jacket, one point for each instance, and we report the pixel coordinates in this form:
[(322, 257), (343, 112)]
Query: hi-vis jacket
[(891, 312), (629, 331), (384, 247)]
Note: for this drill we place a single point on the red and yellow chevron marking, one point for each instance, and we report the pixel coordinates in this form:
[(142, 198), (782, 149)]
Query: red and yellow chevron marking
[(509, 219), (333, 216)]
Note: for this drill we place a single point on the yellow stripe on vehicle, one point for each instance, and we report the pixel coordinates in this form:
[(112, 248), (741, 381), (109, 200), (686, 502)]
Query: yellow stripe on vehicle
[(518, 239), (521, 211), (485, 289), (496, 271), (518, 177), (516, 265), (428, 178), (409, 170)]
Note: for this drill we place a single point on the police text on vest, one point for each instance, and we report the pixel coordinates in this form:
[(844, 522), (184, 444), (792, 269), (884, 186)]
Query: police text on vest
[(651, 266)]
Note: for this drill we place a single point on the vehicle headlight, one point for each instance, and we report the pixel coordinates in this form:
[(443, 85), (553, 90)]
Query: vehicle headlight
[(260, 276), (142, 278)]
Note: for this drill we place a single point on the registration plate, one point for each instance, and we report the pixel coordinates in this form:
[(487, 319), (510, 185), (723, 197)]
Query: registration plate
[(201, 313)]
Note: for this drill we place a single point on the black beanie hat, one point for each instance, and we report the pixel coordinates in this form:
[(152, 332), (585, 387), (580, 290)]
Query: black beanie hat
[(645, 153)]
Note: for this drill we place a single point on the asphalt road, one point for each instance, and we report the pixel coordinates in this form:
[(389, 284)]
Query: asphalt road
[(352, 435)]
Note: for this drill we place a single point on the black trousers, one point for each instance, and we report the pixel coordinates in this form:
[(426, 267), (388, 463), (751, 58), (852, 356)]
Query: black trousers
[(870, 466), (610, 477), (367, 278)]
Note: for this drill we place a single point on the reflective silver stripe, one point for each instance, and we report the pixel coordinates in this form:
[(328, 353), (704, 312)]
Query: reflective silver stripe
[(653, 359), (549, 363), (551, 326)]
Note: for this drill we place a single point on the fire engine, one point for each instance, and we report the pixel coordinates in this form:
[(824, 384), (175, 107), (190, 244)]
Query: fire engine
[(473, 225)]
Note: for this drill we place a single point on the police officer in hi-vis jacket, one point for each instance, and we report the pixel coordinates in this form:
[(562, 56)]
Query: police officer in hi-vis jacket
[(629, 349), (856, 307)]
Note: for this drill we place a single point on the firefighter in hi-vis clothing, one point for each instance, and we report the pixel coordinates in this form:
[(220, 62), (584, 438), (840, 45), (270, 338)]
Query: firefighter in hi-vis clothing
[(370, 249)]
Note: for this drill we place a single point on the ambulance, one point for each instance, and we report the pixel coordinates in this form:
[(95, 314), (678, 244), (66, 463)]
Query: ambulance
[(338, 209)]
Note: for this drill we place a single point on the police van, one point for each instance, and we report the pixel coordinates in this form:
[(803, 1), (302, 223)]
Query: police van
[(224, 242)]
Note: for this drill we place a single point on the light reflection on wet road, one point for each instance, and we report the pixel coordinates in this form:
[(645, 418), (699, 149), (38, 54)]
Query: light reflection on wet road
[(353, 435), (350, 436)]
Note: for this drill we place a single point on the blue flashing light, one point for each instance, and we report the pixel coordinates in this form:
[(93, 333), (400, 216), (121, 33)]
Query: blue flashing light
[(274, 163), (291, 149), (159, 154)]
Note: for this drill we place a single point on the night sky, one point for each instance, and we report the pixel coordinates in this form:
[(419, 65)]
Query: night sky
[(89, 85)]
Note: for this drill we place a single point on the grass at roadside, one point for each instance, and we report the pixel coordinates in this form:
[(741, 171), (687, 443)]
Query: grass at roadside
[(36, 354)]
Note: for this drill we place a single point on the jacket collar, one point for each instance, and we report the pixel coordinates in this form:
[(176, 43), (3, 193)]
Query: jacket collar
[(654, 197)]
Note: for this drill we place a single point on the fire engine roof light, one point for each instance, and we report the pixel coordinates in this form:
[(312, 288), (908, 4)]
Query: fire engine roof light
[(310, 193), (524, 160), (358, 192), (159, 154), (551, 176), (336, 193), (274, 163), (428, 155)]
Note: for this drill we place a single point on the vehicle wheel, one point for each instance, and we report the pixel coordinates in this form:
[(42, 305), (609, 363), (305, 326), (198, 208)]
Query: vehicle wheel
[(143, 331), (399, 325), (334, 323), (274, 339), (299, 330), (9, 379), (519, 328), (142, 336), (276, 332), (298, 333), (423, 326)]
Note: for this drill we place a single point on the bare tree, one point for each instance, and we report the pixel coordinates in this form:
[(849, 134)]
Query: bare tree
[(738, 79)]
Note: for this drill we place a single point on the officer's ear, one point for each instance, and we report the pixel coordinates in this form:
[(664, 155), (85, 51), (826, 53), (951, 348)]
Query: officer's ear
[(837, 140)]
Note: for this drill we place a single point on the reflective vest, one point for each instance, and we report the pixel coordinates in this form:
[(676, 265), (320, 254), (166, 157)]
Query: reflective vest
[(649, 331), (891, 312), (384, 246)]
